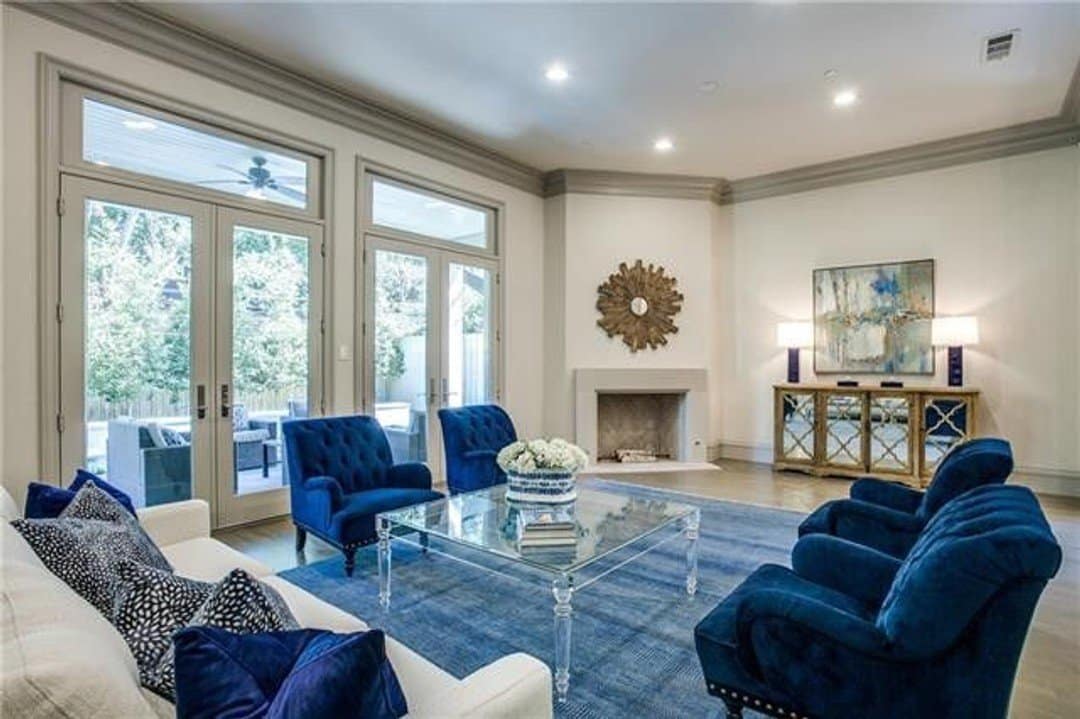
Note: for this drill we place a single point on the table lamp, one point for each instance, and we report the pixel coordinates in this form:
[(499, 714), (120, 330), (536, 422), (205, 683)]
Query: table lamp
[(954, 333), (793, 336)]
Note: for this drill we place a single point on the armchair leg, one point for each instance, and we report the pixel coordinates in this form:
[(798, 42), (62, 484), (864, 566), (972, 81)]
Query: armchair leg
[(734, 709), (424, 541), (301, 539), (350, 560)]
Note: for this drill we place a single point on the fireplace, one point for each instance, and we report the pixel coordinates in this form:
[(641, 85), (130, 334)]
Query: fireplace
[(660, 413), (638, 426)]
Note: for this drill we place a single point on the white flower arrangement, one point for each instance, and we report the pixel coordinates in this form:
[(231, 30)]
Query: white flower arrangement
[(542, 456)]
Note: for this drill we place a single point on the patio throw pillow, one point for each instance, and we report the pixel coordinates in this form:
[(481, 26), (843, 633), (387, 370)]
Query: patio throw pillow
[(239, 603), (44, 501), (85, 545), (150, 607), (310, 673)]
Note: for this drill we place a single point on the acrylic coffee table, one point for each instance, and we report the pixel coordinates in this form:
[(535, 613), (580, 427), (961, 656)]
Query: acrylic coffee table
[(478, 528)]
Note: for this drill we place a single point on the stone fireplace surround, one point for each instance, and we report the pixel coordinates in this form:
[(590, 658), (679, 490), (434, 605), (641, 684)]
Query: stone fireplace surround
[(688, 386)]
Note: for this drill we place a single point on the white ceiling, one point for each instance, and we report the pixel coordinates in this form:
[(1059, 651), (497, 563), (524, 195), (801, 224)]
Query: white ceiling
[(478, 70)]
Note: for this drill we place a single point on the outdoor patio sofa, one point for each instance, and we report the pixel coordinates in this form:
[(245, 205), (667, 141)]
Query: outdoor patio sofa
[(151, 471)]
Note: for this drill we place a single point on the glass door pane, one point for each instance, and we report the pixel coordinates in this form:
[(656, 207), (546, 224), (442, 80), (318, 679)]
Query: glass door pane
[(399, 291), (469, 342), (133, 269), (268, 346)]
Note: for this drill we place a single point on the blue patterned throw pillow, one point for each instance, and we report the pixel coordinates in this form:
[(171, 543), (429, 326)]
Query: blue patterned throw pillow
[(44, 501), (310, 673)]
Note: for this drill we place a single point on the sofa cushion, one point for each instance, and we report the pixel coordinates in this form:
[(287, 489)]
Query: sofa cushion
[(308, 673), (150, 608), (209, 560), (9, 509), (250, 435), (44, 501), (60, 657), (239, 603), (85, 552)]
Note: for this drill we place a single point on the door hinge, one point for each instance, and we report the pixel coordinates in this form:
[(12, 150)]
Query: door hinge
[(61, 206), (322, 327), (498, 335), (363, 329), (59, 313), (60, 423), (498, 278), (322, 248)]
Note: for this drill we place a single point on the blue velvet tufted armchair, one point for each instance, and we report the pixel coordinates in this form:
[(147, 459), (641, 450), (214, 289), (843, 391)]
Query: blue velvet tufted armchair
[(853, 633), (473, 436), (888, 516), (342, 475)]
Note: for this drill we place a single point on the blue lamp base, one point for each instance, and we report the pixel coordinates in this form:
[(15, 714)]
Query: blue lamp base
[(956, 366), (793, 365)]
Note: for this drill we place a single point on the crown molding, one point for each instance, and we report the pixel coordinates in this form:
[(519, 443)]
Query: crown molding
[(975, 147), (1070, 108), (635, 184), (137, 28)]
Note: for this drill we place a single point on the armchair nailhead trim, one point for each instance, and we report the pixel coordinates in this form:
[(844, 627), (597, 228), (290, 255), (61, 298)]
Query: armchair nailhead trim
[(762, 704)]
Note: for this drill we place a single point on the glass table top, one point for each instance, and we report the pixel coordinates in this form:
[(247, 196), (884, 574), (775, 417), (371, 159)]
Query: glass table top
[(604, 522)]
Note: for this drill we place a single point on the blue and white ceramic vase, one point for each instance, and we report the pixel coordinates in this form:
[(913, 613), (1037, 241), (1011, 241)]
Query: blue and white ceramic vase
[(542, 486)]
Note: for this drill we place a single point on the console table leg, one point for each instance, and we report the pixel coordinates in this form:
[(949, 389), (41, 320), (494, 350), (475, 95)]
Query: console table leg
[(690, 531), (384, 563), (563, 589)]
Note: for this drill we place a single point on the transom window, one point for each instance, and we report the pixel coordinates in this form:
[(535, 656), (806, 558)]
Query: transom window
[(418, 211), (115, 134)]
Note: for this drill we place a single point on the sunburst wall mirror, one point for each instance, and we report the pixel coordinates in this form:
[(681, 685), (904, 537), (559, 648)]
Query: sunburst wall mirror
[(639, 303)]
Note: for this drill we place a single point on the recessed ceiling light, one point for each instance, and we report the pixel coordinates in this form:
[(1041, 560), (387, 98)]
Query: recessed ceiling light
[(709, 86), (140, 125), (831, 74), (663, 144), (845, 98), (557, 72)]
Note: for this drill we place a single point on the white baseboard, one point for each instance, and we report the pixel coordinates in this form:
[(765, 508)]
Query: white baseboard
[(1041, 480)]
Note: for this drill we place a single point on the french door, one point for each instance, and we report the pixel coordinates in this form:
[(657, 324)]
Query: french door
[(430, 335), (188, 332)]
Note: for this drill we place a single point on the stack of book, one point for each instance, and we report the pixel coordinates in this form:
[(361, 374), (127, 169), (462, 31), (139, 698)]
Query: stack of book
[(546, 527)]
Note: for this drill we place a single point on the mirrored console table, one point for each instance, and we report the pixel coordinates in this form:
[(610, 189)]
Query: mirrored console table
[(870, 431)]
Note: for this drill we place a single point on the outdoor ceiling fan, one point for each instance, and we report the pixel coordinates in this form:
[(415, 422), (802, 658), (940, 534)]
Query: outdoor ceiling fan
[(260, 180)]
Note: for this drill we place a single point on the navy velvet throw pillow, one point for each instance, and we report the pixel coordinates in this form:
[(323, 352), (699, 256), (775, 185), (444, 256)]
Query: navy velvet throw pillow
[(309, 673), (44, 501)]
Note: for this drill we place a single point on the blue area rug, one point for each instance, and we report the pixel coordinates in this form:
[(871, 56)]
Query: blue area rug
[(633, 645)]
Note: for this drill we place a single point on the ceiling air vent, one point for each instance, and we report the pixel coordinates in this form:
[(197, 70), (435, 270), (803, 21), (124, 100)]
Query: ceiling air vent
[(999, 46)]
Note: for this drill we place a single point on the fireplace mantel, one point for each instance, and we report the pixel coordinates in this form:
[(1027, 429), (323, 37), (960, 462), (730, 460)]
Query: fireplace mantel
[(690, 383)]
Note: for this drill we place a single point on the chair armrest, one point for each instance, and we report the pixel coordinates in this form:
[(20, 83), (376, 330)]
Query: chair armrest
[(769, 615), (517, 686), (887, 494), (872, 525), (852, 569), (176, 522), (409, 475), (327, 486), (267, 424)]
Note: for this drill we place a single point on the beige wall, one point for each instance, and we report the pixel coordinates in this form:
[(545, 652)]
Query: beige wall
[(24, 36), (1004, 235), (588, 236)]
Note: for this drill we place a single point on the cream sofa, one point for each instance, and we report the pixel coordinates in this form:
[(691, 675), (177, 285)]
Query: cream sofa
[(62, 658)]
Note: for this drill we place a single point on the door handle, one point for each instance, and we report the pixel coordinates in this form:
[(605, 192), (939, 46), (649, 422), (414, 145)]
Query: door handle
[(445, 392), (200, 401), (225, 406), (431, 391)]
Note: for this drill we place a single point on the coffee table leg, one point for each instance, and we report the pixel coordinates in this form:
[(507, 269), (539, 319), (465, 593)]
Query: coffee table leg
[(690, 531), (384, 563), (563, 589)]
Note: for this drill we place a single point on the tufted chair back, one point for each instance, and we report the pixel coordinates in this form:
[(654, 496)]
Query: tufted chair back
[(472, 436), (352, 450), (986, 460), (979, 547)]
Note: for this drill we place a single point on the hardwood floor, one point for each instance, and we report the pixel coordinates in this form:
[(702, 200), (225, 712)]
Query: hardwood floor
[(1049, 678)]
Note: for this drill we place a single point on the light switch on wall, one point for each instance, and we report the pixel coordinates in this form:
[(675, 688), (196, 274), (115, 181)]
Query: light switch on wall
[(344, 353)]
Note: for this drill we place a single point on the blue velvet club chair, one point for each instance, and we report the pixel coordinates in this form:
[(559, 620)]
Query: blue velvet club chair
[(850, 632), (473, 436), (888, 516), (342, 475)]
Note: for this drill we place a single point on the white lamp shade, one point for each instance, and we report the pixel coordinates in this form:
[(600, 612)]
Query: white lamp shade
[(795, 334), (954, 331)]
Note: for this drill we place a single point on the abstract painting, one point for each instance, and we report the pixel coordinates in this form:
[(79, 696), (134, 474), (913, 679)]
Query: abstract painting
[(874, 319)]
